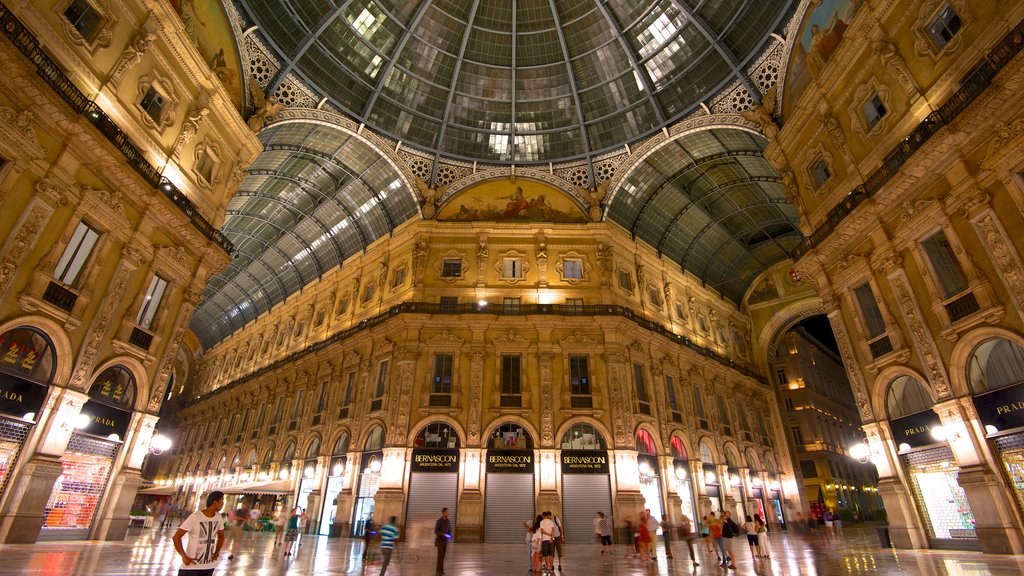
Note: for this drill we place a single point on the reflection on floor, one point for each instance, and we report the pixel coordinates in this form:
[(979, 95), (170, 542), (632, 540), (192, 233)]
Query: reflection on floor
[(151, 552)]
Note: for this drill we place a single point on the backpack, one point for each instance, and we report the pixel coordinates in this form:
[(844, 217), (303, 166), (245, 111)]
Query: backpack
[(734, 529), (727, 529)]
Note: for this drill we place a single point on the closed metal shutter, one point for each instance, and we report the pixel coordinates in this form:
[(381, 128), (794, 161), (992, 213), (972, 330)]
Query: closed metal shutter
[(12, 437), (508, 503), (76, 495), (428, 493), (583, 496)]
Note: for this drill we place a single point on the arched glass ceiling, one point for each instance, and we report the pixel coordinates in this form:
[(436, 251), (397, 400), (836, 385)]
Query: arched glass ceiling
[(316, 196), (523, 81), (711, 202)]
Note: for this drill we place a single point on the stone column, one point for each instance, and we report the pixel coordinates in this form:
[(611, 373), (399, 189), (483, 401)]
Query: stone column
[(628, 501), (470, 523), (112, 519), (22, 516)]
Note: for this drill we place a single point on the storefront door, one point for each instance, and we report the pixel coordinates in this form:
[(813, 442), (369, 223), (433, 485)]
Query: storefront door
[(509, 498), (76, 494)]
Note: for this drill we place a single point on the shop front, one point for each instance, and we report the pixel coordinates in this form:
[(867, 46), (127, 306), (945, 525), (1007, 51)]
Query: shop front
[(712, 489), (650, 478), (586, 483), (509, 490), (369, 480), (336, 471), (434, 475), (684, 487), (26, 370), (90, 456), (996, 375)]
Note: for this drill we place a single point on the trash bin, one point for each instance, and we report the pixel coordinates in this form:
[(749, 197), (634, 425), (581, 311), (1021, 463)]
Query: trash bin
[(883, 537)]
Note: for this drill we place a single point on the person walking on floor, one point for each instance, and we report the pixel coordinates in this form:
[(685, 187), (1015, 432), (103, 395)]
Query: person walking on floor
[(604, 528), (442, 533), (686, 533), (752, 540), (388, 536), (729, 531), (205, 530), (652, 525), (547, 541), (705, 535), (236, 518), (533, 542), (280, 526), (291, 535), (643, 538), (559, 540), (254, 521), (761, 529)]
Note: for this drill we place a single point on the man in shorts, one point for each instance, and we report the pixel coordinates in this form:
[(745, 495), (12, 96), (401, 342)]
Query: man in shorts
[(547, 542), (205, 530)]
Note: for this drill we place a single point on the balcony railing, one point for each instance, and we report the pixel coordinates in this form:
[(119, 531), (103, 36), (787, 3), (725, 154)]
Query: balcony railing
[(972, 87), (52, 74), (60, 296), (477, 308)]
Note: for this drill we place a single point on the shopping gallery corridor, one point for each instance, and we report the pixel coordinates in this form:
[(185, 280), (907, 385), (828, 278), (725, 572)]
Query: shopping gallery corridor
[(150, 552)]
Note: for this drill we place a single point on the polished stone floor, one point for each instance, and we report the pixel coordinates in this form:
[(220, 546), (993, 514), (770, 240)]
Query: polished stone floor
[(151, 552)]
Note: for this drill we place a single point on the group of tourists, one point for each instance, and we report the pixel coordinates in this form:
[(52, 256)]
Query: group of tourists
[(718, 533), (544, 538)]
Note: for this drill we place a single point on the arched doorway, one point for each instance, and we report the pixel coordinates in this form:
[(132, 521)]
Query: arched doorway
[(336, 471), (509, 493), (27, 366), (649, 472), (586, 487), (684, 485), (929, 464), (369, 479), (310, 471), (89, 457), (712, 488), (434, 477), (996, 376)]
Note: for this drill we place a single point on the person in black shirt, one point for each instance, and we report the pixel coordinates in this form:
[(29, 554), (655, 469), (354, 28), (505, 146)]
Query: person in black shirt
[(442, 533)]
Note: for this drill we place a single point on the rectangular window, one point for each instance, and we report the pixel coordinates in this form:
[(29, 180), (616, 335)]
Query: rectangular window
[(153, 104), (342, 307), (798, 437), (641, 389), (346, 399), (261, 414), (76, 254), (572, 269), (300, 328), (789, 404), (157, 286), (670, 389), (441, 386), (205, 165), (625, 281), (579, 382), (820, 172), (449, 303), (511, 376), (761, 426), (703, 323), (321, 401), (698, 403), (368, 292), (654, 296), (574, 304), (511, 305), (84, 18), (944, 27), (869, 309), (451, 268), (680, 313), (780, 375), (300, 398), (723, 415), (947, 268), (873, 110), (512, 268), (320, 316), (382, 381), (278, 413), (399, 278)]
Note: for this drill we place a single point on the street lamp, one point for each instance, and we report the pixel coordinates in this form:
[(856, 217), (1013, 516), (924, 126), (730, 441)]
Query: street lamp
[(159, 444), (860, 452)]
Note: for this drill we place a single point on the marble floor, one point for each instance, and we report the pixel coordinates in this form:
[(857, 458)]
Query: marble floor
[(151, 552)]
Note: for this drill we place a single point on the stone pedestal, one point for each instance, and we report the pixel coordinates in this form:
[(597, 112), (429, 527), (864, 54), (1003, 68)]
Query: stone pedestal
[(993, 511), (387, 503), (549, 501), (313, 510), (114, 521), (23, 514), (628, 506), (470, 522)]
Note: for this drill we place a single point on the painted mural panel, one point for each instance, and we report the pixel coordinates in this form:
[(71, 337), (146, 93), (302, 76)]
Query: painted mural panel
[(207, 26), (520, 200), (821, 32)]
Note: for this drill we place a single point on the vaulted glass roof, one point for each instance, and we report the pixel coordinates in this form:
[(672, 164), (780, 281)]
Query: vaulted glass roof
[(316, 196), (516, 81), (711, 202)]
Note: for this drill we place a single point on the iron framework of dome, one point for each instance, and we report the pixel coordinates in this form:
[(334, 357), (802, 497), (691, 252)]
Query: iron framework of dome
[(516, 81)]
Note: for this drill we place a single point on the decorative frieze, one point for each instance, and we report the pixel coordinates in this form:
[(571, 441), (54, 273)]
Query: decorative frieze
[(1003, 254), (927, 351)]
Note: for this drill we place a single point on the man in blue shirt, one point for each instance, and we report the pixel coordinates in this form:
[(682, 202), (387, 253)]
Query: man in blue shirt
[(388, 536), (442, 533)]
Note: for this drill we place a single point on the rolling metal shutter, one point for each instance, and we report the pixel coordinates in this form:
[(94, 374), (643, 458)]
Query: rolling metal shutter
[(508, 503), (12, 438), (583, 496), (77, 494), (428, 493)]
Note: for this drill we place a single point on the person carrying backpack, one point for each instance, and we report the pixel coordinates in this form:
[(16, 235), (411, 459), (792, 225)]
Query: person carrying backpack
[(729, 531)]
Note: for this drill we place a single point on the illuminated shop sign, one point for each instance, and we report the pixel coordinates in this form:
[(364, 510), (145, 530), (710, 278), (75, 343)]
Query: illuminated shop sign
[(584, 462), (19, 396), (1002, 408), (510, 461), (105, 420), (435, 460), (915, 430)]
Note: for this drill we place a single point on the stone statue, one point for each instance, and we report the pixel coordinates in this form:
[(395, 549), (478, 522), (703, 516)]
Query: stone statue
[(763, 115), (265, 108)]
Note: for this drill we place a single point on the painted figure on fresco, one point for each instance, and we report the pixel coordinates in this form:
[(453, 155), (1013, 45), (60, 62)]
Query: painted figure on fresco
[(524, 201), (821, 33)]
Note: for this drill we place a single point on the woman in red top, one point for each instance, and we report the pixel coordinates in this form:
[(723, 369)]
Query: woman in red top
[(644, 537)]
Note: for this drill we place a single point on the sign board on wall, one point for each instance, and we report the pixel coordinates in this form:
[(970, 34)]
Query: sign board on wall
[(510, 461), (915, 430), (19, 396), (585, 462), (435, 460), (1002, 408)]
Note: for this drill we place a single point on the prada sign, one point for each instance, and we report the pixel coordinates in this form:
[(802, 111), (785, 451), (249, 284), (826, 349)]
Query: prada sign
[(435, 460), (585, 462), (19, 396), (1002, 408), (105, 420), (510, 461), (915, 429)]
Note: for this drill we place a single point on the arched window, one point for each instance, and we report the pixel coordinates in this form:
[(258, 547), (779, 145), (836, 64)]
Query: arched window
[(645, 442), (751, 461), (340, 445), (510, 436), (375, 441), (268, 458), (115, 385), (995, 364), (582, 436), (906, 396), (289, 452), (250, 458), (678, 449), (707, 455), (437, 435), (314, 449), (730, 457), (28, 353)]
